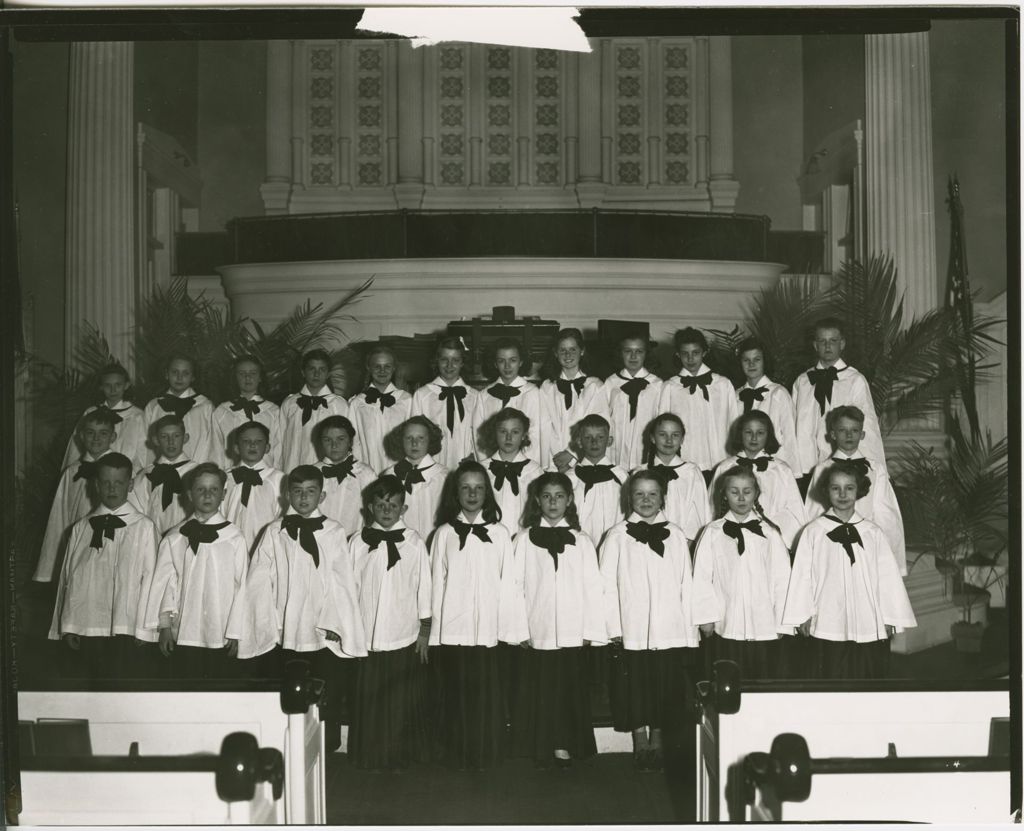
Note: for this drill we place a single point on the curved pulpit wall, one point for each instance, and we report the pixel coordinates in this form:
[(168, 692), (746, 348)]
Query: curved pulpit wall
[(412, 296)]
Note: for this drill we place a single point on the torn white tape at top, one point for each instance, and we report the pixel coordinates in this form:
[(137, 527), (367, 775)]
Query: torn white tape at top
[(538, 27)]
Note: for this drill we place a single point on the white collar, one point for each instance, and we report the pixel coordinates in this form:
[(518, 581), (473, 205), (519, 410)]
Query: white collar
[(734, 518), (181, 457), (440, 382), (255, 398), (186, 394), (853, 520), (764, 382), (398, 526), (585, 462), (659, 463), (635, 517), (518, 382), (88, 457), (426, 461), (579, 374), (643, 372), (213, 519), (478, 521), (519, 457), (390, 389), (250, 466), (314, 515), (325, 391), (325, 461), (123, 510), (840, 364), (702, 370), (760, 453), (840, 454), (562, 523)]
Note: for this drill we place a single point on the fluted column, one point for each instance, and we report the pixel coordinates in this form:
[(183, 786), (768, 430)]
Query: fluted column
[(278, 185), (900, 200), (589, 186), (99, 273), (409, 191), (723, 187)]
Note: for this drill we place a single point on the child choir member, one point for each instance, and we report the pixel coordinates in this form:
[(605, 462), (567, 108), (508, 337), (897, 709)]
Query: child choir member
[(303, 410), (505, 436), (633, 395), (510, 390), (182, 401), (449, 404), (248, 406), (378, 409), (253, 497), (344, 475), (129, 422)]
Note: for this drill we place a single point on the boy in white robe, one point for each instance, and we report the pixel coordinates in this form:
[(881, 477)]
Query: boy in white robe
[(129, 423), (450, 404), (303, 410), (248, 406), (422, 477), (254, 496), (633, 396), (104, 581), (344, 475), (705, 402), (760, 392), (596, 482), (846, 431), (159, 488), (193, 408), (380, 408), (510, 389), (199, 583)]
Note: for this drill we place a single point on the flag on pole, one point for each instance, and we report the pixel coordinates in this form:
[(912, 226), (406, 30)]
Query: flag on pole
[(959, 300)]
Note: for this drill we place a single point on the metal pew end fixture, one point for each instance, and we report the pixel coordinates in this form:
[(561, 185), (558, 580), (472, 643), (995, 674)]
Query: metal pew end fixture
[(299, 689), (722, 692)]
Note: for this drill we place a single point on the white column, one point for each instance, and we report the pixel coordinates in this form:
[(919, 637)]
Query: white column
[(900, 200), (277, 187), (99, 273), (723, 187)]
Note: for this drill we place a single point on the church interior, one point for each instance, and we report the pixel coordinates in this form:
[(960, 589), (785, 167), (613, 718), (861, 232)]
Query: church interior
[(681, 169)]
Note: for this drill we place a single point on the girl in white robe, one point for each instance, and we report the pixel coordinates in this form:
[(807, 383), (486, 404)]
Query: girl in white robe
[(633, 395), (505, 440), (449, 403), (418, 440), (378, 409)]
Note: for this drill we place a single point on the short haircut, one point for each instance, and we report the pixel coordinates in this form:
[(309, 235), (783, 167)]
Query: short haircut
[(592, 420), (315, 355), (845, 467), (180, 356), (843, 411), (450, 343), (199, 470), (734, 443), (531, 512), (689, 335), (381, 349), (114, 461), (830, 323), (250, 425), (507, 343), (338, 421), (383, 487), (114, 369), (306, 473), (169, 420), (247, 359), (101, 415), (750, 344)]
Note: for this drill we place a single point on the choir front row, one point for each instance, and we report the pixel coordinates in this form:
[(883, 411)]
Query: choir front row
[(516, 556)]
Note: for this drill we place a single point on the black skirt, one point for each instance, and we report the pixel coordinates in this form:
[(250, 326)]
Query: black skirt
[(472, 707), (651, 687), (552, 705), (844, 660), (756, 659), (388, 725)]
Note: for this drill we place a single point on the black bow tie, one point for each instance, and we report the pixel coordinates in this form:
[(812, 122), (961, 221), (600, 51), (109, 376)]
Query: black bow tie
[(302, 528), (111, 413), (822, 381), (86, 470), (667, 472), (751, 396), (179, 406), (691, 382), (568, 387), (308, 403), (340, 471), (507, 472), (553, 539), (633, 387), (375, 396), (452, 397), (846, 534), (248, 478), (735, 530), (651, 534), (375, 536), (166, 474), (464, 529), (196, 532), (761, 462), (591, 475), (409, 474), (250, 407), (859, 466), (503, 392), (104, 526)]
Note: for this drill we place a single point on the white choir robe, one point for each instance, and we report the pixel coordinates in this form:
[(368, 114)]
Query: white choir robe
[(744, 595), (778, 405), (294, 602), (512, 505), (880, 505), (851, 389), (266, 502), (780, 495), (71, 502), (421, 505), (196, 593), (226, 420), (686, 502), (627, 450), (476, 596), (601, 508), (844, 601), (564, 606), (706, 423), (648, 599), (392, 602), (149, 500), (343, 501), (527, 402), (198, 425), (372, 424), (103, 591), (556, 421), (130, 440), (460, 442), (297, 438)]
